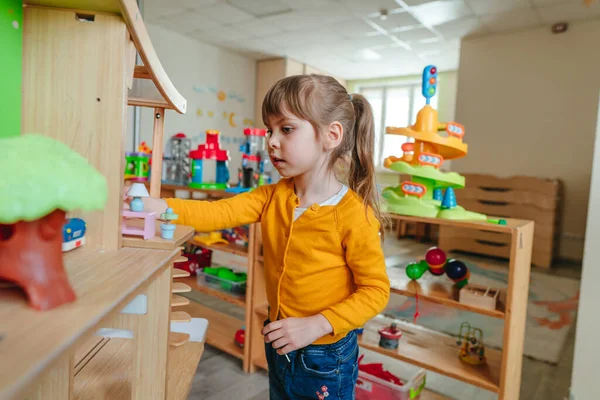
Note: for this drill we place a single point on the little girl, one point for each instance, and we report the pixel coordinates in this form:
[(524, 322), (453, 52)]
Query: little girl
[(324, 265)]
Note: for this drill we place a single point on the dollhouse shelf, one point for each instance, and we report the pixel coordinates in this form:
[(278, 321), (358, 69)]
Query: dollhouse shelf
[(110, 358), (222, 328), (237, 299), (130, 13), (436, 290), (181, 235), (104, 282), (435, 352)]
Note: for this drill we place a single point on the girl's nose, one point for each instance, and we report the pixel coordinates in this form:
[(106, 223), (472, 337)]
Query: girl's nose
[(273, 142)]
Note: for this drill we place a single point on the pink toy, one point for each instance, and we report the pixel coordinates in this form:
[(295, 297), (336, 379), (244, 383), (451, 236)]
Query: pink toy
[(149, 229)]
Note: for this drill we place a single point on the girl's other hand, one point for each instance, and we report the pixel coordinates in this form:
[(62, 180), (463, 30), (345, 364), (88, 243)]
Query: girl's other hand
[(151, 204), (295, 333)]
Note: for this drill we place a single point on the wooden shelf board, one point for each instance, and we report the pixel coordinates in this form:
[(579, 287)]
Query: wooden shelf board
[(221, 194), (178, 273), (181, 235), (180, 316), (233, 298), (435, 352), (221, 328), (180, 287), (108, 374), (435, 289), (511, 224), (103, 282), (228, 248), (178, 301)]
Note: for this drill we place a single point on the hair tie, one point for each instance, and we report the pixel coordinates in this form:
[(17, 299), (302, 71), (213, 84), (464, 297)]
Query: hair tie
[(350, 96)]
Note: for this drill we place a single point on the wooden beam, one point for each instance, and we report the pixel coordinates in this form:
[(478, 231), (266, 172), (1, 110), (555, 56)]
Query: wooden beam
[(157, 152), (141, 72)]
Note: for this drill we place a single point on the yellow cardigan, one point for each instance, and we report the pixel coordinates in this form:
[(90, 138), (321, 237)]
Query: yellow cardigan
[(328, 261)]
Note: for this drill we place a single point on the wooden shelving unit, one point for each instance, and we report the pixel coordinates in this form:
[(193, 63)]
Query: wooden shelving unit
[(431, 350), (222, 326)]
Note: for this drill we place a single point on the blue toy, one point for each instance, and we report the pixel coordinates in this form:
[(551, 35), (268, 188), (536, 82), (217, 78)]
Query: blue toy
[(429, 82), (73, 234)]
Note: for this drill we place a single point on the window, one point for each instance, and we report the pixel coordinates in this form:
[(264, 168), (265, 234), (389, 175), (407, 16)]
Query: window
[(393, 105)]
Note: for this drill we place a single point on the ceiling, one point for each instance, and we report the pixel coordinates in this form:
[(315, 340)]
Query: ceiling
[(348, 38)]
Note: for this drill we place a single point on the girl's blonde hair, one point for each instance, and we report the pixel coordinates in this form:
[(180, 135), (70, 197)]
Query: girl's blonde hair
[(322, 100)]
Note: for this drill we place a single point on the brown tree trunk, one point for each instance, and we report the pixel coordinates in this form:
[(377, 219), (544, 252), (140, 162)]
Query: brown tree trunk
[(31, 256)]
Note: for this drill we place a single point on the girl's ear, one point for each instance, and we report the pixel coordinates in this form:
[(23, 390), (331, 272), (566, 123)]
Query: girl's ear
[(335, 134)]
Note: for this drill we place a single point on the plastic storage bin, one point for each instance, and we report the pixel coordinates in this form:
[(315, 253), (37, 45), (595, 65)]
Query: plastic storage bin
[(221, 283), (369, 387)]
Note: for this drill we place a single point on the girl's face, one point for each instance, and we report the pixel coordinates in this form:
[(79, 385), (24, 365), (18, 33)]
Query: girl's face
[(294, 145)]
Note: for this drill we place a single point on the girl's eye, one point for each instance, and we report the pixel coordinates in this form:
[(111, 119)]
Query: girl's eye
[(269, 132), (287, 129)]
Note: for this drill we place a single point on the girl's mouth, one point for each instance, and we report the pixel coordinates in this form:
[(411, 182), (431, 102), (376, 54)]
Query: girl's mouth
[(277, 161)]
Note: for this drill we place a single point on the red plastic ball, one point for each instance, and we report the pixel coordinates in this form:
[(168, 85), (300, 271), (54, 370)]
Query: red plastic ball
[(437, 271), (435, 257)]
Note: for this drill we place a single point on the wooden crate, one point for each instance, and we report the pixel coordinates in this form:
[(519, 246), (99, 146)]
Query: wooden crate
[(520, 197)]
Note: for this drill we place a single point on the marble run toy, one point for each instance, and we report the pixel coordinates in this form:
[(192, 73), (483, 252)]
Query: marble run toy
[(472, 350), (255, 169), (176, 161), (212, 151), (430, 193)]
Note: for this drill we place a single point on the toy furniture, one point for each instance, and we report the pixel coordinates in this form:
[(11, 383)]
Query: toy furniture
[(479, 296), (149, 227), (531, 198), (167, 229), (212, 151), (118, 338), (137, 191), (137, 166)]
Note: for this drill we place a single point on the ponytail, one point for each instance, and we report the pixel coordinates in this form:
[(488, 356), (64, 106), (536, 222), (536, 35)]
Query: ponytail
[(361, 177)]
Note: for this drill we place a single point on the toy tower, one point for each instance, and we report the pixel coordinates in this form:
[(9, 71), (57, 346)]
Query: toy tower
[(430, 193), (176, 165), (255, 169), (211, 150)]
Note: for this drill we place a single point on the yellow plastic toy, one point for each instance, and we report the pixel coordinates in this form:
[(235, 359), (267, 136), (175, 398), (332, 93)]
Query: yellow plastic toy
[(430, 193), (210, 239)]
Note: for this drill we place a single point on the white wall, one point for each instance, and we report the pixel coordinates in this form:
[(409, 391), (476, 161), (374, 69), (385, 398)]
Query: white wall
[(195, 69), (586, 368), (528, 102)]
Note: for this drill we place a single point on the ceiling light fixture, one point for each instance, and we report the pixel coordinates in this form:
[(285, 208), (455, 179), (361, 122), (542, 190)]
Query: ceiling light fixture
[(383, 14)]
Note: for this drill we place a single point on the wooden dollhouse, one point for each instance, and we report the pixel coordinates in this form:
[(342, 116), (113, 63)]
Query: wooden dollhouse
[(79, 75)]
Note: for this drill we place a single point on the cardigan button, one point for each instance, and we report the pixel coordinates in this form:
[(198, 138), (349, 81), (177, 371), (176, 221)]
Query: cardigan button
[(314, 207)]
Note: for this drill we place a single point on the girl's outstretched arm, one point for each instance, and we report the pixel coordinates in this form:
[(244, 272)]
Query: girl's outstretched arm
[(208, 216), (364, 256)]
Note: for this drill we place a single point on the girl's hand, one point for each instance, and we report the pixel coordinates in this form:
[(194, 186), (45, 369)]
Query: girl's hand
[(295, 333), (151, 204)]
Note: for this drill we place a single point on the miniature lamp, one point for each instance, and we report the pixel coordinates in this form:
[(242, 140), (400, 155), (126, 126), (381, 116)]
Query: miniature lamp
[(137, 191)]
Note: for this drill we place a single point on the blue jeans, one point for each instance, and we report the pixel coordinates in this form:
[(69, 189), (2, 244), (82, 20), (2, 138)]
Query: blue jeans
[(322, 372)]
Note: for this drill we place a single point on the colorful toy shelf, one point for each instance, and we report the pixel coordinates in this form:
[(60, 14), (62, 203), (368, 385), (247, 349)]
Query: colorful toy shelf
[(104, 282), (435, 352), (436, 290), (198, 285)]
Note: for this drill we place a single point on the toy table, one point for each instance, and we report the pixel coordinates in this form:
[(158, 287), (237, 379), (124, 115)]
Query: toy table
[(147, 231)]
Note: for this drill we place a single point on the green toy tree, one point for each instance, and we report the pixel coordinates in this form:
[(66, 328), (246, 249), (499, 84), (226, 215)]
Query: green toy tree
[(42, 180)]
